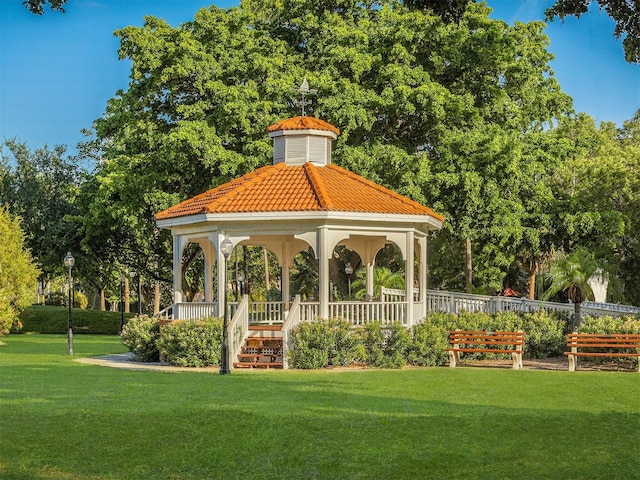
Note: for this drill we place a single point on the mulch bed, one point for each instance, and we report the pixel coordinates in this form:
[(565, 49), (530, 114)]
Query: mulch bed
[(558, 363)]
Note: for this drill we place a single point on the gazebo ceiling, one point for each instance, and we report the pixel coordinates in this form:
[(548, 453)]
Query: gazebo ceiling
[(305, 188)]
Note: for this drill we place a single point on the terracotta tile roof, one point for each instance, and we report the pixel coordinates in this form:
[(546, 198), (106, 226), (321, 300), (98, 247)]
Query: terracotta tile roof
[(303, 123), (304, 188)]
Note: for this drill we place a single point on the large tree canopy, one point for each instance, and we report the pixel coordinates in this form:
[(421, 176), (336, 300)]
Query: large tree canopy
[(450, 114), (626, 14)]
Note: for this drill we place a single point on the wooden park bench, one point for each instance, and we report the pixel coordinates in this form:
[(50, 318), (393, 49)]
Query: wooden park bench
[(606, 345), (486, 342)]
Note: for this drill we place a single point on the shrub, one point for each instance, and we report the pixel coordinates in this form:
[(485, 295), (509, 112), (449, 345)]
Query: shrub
[(192, 343), (608, 324), (430, 339), (141, 335), (386, 346), (80, 300), (545, 334), (346, 347), (309, 345), (48, 319)]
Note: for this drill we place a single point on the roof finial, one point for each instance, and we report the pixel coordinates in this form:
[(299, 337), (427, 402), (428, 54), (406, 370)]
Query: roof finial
[(304, 90)]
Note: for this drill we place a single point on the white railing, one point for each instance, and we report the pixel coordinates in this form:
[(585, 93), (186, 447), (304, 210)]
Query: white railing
[(294, 318), (397, 294), (165, 314), (266, 312), (368, 312), (238, 328), (455, 302), (195, 310)]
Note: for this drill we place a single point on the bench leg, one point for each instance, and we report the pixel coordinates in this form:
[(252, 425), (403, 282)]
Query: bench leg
[(572, 362), (516, 358), (454, 358)]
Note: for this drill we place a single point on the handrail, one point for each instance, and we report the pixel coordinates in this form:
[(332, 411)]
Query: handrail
[(292, 319), (238, 328), (165, 314)]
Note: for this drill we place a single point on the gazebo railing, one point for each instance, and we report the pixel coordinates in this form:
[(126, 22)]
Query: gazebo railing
[(238, 328), (360, 313)]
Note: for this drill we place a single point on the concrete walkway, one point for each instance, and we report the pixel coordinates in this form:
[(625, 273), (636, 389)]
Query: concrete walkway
[(126, 360)]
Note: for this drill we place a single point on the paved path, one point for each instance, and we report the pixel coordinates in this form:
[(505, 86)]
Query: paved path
[(126, 360)]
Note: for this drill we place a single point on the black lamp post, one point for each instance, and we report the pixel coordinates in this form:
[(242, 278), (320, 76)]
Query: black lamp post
[(121, 302), (226, 247), (348, 269), (69, 262)]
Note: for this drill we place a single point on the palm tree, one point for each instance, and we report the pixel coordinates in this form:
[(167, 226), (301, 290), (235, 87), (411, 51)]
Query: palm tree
[(571, 273), (382, 277)]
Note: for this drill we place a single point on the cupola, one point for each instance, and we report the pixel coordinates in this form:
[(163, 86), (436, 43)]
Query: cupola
[(302, 139)]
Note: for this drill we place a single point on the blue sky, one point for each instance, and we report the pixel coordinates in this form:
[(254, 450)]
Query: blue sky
[(57, 71)]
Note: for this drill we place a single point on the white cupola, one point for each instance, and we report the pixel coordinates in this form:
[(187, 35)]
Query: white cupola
[(302, 139)]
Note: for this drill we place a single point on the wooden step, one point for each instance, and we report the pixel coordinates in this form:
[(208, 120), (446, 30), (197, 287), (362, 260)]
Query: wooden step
[(260, 352)]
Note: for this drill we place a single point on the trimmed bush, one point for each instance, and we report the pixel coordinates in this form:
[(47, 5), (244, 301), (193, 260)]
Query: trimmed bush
[(48, 319), (608, 324), (430, 339), (309, 345), (140, 335), (386, 346), (191, 343), (346, 347)]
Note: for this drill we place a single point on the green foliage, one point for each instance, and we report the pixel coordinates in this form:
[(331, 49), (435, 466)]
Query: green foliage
[(37, 6), (608, 324), (191, 343), (346, 346), (386, 346), (140, 335), (429, 342), (50, 319), (18, 274), (309, 345), (60, 299)]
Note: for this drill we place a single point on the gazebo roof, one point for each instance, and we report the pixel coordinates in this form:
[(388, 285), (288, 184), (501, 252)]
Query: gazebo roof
[(298, 188), (302, 123)]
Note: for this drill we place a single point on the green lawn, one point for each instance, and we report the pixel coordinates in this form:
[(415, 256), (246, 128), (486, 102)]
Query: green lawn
[(60, 419)]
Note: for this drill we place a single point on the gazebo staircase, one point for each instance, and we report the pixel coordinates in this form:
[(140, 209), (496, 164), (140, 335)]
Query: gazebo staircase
[(262, 348)]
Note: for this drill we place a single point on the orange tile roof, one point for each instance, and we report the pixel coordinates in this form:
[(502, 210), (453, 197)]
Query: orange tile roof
[(303, 123), (302, 188)]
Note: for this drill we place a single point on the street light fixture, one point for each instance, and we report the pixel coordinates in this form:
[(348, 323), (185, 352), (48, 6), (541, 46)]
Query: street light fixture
[(226, 247), (69, 262), (348, 269)]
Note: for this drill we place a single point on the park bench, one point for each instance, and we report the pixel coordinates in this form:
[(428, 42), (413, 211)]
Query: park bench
[(606, 345), (463, 341)]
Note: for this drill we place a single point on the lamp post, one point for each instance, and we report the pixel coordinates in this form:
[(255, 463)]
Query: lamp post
[(348, 269), (121, 302), (226, 247), (69, 262), (133, 274)]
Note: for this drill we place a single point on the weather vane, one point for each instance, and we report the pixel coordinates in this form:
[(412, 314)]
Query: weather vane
[(304, 91)]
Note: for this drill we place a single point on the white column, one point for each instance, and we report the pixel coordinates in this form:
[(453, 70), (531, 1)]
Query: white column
[(422, 273), (323, 271), (408, 277), (370, 280), (222, 275), (177, 269), (209, 262)]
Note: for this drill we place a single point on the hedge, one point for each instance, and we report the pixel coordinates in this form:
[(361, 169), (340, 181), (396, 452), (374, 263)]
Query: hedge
[(50, 319)]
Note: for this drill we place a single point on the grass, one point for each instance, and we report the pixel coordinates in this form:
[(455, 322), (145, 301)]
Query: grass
[(60, 419)]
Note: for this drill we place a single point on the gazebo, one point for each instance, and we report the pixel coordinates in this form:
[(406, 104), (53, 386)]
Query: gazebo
[(303, 200)]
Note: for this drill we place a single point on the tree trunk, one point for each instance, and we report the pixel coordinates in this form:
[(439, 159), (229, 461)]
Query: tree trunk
[(126, 294), (103, 300), (531, 282), (577, 315), (156, 297), (468, 265)]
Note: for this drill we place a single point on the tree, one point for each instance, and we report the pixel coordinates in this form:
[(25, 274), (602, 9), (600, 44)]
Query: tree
[(18, 274), (382, 277), (37, 6), (626, 14), (42, 189), (438, 111), (571, 273)]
